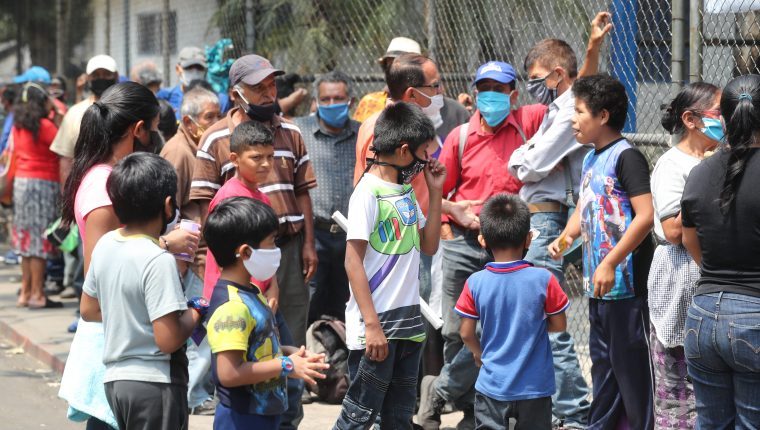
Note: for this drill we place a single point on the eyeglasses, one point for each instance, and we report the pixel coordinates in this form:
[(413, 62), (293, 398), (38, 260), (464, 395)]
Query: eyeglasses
[(436, 86), (711, 113)]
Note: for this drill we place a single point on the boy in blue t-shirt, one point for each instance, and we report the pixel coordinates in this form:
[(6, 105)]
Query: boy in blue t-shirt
[(615, 222), (517, 305), (248, 367)]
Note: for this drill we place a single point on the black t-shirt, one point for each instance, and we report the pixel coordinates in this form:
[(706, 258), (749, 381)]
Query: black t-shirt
[(730, 243)]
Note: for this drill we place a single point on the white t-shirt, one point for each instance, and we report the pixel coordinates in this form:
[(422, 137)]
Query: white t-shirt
[(136, 282), (668, 180), (387, 216)]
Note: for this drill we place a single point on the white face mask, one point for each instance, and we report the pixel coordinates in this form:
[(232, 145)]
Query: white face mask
[(173, 223), (263, 263), (190, 75), (433, 110)]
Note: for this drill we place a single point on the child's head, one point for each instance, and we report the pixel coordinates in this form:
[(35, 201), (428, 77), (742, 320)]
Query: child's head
[(505, 223), (601, 105), (549, 64), (402, 136), (142, 188), (252, 151), (237, 226)]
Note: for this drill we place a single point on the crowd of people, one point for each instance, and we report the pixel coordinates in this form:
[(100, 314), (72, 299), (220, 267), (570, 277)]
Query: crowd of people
[(207, 244)]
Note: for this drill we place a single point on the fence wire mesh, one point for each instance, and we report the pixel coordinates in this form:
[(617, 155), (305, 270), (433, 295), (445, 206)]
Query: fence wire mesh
[(716, 40)]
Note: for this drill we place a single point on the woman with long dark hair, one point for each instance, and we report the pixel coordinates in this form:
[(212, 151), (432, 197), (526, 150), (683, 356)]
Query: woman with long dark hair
[(720, 216), (693, 119), (123, 120), (35, 191)]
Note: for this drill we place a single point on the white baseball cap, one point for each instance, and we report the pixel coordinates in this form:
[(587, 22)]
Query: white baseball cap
[(401, 45), (105, 62)]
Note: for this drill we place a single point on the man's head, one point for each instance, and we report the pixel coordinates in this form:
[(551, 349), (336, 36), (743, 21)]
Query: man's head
[(398, 46), (253, 86), (552, 67), (333, 93), (57, 88), (413, 78), (505, 223), (252, 151), (601, 105), (191, 65), (199, 110), (9, 95), (403, 136), (147, 73), (101, 73), (237, 227), (495, 91), (142, 189)]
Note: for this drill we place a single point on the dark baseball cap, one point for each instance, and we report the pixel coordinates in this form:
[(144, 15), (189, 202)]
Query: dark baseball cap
[(251, 69)]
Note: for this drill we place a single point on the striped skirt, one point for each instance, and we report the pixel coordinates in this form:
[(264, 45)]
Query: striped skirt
[(35, 206)]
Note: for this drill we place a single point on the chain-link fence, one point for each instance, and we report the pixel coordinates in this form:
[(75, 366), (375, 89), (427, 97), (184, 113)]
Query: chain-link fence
[(656, 46)]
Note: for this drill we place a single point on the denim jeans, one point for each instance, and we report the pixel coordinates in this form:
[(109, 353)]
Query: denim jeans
[(329, 287), (533, 414), (388, 388), (570, 402), (199, 386), (721, 347), (462, 256)]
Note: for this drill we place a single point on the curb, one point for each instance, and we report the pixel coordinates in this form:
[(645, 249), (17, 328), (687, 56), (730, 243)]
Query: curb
[(31, 348)]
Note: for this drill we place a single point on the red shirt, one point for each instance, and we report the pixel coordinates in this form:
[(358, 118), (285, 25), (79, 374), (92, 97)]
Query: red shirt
[(232, 188), (34, 159), (482, 171)]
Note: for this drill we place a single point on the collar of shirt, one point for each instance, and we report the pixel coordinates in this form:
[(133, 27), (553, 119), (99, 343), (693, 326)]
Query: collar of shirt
[(188, 138), (564, 100), (475, 124)]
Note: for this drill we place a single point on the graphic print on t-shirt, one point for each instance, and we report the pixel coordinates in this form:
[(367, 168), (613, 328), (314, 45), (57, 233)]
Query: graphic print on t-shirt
[(606, 214)]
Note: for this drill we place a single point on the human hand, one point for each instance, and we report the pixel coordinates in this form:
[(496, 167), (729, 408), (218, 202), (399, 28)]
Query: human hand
[(180, 241), (601, 25), (603, 279), (463, 214), (376, 343), (465, 100), (446, 233), (310, 260), (307, 368), (478, 361), (435, 174), (559, 246)]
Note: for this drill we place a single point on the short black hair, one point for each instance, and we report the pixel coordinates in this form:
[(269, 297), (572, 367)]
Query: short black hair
[(402, 123), (237, 221), (139, 185), (248, 134), (603, 92), (504, 221), (550, 53), (167, 121), (405, 72)]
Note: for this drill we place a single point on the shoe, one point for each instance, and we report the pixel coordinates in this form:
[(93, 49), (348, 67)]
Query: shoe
[(431, 404), (468, 421), (72, 328), (69, 293), (53, 289), (208, 407), (48, 304)]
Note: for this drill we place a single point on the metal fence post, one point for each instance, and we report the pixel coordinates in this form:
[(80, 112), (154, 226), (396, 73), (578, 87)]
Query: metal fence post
[(695, 40), (625, 52), (677, 47), (165, 52)]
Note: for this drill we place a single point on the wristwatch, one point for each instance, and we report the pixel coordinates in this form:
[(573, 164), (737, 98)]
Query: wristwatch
[(287, 366), (199, 304)]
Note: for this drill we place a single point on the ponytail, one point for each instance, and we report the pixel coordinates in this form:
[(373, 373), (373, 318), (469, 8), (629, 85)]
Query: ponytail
[(698, 96)]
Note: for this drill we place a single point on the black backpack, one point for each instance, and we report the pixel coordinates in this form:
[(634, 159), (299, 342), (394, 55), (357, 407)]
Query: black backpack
[(328, 335)]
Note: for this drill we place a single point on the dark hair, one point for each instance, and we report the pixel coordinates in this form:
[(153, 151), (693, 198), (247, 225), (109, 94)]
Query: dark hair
[(139, 185), (504, 221), (9, 94), (237, 221), (402, 123), (199, 83), (740, 107), (335, 76), (550, 53), (167, 121), (694, 96), (248, 134), (603, 92), (104, 124), (405, 72), (30, 108)]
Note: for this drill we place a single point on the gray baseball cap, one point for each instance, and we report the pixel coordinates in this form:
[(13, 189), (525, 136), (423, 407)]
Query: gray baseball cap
[(251, 69), (192, 56)]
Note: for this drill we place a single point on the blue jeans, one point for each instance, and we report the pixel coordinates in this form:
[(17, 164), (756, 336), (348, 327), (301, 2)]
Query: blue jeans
[(570, 402), (721, 347), (388, 388), (462, 256), (199, 386)]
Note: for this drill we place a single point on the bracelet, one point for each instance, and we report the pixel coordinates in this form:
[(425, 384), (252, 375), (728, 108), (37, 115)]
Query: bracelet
[(165, 242), (287, 366)]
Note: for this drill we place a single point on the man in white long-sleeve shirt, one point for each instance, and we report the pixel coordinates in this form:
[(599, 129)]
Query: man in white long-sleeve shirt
[(549, 165)]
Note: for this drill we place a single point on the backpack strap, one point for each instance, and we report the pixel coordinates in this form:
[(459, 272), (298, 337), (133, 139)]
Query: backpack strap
[(569, 192), (464, 129)]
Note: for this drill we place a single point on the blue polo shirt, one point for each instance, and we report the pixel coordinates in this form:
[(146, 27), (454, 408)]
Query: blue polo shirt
[(512, 301), (174, 96)]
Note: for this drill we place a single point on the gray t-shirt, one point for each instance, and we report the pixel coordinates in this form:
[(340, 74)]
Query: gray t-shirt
[(136, 282)]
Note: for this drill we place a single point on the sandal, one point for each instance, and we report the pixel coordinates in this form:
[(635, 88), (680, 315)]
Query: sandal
[(22, 303), (49, 304)]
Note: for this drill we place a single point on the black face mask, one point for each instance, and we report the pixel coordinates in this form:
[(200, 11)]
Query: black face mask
[(405, 173), (98, 86), (260, 113), (154, 144)]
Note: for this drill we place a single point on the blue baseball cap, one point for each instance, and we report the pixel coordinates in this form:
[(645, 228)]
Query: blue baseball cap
[(496, 70), (33, 74)]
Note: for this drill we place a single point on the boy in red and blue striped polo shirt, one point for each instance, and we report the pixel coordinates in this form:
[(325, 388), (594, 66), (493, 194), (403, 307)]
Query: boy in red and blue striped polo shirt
[(517, 305)]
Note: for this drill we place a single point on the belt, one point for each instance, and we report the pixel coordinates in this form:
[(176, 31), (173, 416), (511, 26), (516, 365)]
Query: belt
[(546, 207), (330, 227)]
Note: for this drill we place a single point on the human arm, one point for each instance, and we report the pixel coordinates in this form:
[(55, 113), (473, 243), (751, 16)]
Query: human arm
[(465, 307), (376, 344), (691, 243), (273, 294), (555, 305), (180, 241), (172, 330), (233, 371), (470, 338), (435, 174), (567, 237), (556, 323), (97, 223), (89, 309), (672, 228), (309, 251), (600, 27), (64, 169)]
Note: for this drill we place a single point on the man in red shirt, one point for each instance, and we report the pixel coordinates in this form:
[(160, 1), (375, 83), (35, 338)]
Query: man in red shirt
[(476, 155)]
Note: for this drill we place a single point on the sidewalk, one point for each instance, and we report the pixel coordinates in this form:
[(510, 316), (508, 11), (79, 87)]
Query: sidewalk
[(42, 334)]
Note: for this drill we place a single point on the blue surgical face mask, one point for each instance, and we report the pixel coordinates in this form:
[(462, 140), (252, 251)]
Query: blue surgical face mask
[(493, 106), (334, 115), (713, 129)]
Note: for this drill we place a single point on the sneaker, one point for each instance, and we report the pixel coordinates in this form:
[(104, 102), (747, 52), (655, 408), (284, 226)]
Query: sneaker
[(431, 404), (468, 421), (208, 407), (69, 293), (72, 328)]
